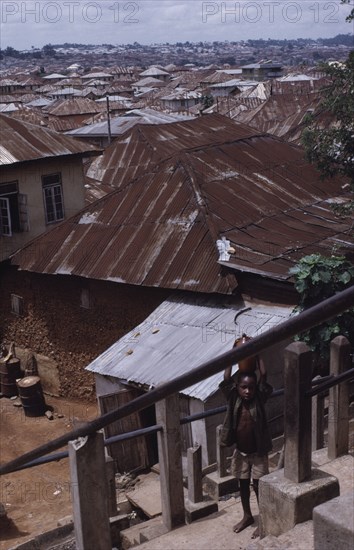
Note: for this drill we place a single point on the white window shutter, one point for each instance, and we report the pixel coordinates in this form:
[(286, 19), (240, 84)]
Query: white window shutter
[(23, 212), (5, 217)]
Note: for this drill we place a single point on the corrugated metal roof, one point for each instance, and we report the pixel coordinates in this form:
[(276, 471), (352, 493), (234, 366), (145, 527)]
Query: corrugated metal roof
[(98, 74), (121, 124), (146, 145), (160, 229), (182, 94), (20, 141), (279, 113), (73, 106), (181, 334), (235, 82), (53, 76), (148, 81), (152, 71), (151, 234)]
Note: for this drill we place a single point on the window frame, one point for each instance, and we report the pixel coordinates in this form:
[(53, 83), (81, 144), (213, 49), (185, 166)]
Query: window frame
[(5, 221), (17, 305), (52, 190), (9, 205), (85, 298)]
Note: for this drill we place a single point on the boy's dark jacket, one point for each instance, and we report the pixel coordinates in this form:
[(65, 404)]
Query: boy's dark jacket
[(228, 433)]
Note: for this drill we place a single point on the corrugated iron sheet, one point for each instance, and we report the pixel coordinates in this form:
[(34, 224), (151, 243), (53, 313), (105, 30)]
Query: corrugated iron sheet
[(73, 106), (20, 141), (181, 334), (280, 114), (121, 124), (144, 146), (160, 228)]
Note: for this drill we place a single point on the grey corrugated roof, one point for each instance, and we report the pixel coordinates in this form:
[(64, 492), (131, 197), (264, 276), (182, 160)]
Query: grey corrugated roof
[(181, 334), (235, 82), (121, 124)]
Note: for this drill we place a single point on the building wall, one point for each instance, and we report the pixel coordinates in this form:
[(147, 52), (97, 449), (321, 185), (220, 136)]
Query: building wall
[(203, 432), (55, 325), (29, 181)]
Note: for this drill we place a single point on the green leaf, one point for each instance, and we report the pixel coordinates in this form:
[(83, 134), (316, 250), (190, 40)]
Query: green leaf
[(325, 276), (344, 277)]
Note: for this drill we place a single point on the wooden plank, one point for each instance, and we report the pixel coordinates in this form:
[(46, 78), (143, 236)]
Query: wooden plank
[(128, 455)]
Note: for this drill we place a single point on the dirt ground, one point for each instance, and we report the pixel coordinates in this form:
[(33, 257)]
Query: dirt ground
[(36, 498)]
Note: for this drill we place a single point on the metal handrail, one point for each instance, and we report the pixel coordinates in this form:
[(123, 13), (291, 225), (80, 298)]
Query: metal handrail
[(319, 385), (303, 321), (334, 381)]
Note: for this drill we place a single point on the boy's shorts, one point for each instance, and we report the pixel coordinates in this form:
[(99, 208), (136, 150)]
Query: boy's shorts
[(249, 466)]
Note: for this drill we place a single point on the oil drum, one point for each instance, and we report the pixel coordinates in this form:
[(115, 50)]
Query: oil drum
[(10, 371), (31, 394)]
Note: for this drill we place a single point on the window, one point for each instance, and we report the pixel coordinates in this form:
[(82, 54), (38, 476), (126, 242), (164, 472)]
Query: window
[(9, 209), (16, 304), (53, 198), (85, 301)]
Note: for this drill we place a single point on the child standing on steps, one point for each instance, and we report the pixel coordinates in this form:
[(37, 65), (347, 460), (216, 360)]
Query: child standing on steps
[(246, 425)]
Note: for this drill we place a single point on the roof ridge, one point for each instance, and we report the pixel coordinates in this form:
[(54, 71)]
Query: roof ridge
[(204, 211)]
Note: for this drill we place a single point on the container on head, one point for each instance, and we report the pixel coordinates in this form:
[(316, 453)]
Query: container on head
[(250, 363)]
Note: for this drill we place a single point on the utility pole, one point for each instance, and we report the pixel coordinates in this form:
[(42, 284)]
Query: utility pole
[(108, 121)]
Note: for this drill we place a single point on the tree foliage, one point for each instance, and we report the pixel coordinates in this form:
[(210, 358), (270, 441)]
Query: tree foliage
[(332, 149), (207, 101), (317, 278), (350, 17)]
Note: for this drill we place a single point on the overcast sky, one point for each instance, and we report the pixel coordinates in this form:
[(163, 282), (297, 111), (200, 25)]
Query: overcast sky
[(35, 23)]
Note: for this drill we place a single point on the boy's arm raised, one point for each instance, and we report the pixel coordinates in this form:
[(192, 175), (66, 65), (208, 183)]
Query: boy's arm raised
[(265, 389)]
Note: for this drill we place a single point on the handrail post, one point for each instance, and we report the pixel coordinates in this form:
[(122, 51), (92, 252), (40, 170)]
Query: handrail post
[(111, 484), (297, 412), (318, 421), (89, 490), (170, 461), (221, 454), (194, 465), (338, 407)]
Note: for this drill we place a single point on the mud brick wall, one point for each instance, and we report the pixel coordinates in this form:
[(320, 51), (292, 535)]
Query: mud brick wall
[(54, 324)]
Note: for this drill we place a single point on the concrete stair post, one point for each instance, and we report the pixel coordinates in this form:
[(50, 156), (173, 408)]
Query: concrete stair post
[(197, 504), (297, 412), (170, 461), (338, 406), (318, 411), (287, 496), (220, 483), (89, 488)]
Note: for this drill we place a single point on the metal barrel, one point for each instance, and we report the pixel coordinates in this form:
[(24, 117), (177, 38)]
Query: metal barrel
[(10, 371), (31, 394)]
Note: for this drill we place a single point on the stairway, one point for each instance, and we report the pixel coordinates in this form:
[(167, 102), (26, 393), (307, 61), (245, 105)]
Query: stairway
[(215, 531)]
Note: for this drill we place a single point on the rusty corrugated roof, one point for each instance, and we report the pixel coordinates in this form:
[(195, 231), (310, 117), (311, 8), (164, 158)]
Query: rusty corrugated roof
[(280, 113), (160, 229), (73, 106), (152, 233), (144, 146), (21, 141)]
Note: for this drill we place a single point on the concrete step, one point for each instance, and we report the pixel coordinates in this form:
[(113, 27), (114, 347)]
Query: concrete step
[(301, 536), (216, 530)]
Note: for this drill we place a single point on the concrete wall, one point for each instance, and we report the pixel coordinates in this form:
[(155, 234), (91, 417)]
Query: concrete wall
[(30, 184), (55, 325)]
